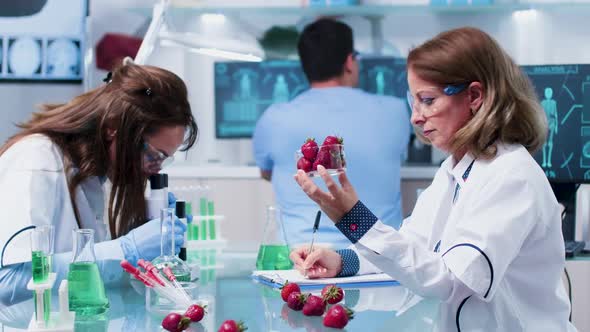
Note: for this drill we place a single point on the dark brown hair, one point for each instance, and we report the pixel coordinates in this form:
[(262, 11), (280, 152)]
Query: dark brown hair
[(510, 112), (126, 107)]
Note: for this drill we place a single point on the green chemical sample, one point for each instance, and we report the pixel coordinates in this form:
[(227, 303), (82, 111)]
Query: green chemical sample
[(211, 212), (273, 257), (86, 290), (41, 264), (203, 210), (183, 277)]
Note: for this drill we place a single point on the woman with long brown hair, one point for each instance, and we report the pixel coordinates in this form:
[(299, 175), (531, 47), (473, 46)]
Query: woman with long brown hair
[(53, 171)]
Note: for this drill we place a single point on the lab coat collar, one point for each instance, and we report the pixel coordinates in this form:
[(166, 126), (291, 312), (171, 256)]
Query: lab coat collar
[(457, 172)]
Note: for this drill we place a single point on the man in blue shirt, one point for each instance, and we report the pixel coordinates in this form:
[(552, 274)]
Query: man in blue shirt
[(375, 130)]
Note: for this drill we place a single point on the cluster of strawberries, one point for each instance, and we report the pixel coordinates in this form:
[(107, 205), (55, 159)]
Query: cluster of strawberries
[(175, 322), (337, 316), (329, 154)]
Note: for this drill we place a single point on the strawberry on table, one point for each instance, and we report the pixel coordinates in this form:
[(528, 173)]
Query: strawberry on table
[(231, 325), (332, 294), (195, 312), (314, 306), (289, 288), (338, 316), (296, 301), (174, 322)]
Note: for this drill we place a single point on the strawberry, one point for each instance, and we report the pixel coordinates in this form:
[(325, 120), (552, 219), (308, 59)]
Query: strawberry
[(231, 325), (195, 312), (309, 149), (304, 164), (296, 301), (174, 322), (314, 167), (332, 294), (331, 140), (329, 156), (323, 158), (289, 288), (338, 316), (314, 306)]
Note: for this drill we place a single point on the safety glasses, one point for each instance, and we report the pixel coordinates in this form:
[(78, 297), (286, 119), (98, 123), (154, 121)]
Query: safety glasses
[(424, 104), (153, 157)]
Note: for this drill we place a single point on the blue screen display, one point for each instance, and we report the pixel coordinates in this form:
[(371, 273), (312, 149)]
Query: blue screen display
[(564, 93), (244, 90)]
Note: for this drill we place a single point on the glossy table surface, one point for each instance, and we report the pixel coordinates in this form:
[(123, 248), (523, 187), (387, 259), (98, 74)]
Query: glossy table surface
[(230, 293)]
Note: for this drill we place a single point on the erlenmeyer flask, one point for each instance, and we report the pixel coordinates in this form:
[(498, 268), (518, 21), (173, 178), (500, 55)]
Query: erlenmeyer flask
[(167, 257), (86, 290), (273, 253)]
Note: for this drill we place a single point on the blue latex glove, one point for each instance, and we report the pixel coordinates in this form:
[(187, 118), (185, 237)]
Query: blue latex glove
[(144, 241), (171, 200)]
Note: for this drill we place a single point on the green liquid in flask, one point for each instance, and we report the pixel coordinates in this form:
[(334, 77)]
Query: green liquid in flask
[(87, 295), (273, 257)]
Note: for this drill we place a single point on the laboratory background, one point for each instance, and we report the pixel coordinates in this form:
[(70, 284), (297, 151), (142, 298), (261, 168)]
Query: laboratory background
[(237, 58)]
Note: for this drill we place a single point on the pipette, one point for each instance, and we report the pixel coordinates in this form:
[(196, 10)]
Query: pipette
[(172, 277), (167, 292)]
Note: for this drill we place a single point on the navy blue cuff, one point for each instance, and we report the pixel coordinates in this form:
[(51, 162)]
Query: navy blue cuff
[(350, 263), (356, 222)]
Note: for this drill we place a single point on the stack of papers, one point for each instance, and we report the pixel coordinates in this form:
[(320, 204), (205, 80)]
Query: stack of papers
[(276, 279)]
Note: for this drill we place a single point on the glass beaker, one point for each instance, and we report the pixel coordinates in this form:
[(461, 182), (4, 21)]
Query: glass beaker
[(42, 238), (168, 257), (273, 253), (86, 290)]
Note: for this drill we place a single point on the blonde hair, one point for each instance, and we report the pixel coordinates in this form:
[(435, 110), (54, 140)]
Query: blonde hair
[(510, 112)]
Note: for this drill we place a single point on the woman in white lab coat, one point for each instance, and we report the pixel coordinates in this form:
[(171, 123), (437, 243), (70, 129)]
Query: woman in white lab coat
[(53, 171), (485, 237)]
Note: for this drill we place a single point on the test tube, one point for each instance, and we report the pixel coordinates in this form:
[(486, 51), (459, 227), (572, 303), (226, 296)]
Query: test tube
[(211, 213), (42, 238), (203, 213)]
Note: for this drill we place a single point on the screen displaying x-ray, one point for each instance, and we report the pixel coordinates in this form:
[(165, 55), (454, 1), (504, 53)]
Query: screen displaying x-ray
[(244, 90), (564, 93), (384, 76), (35, 46)]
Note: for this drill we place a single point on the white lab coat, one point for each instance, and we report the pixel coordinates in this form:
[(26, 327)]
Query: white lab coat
[(34, 191), (501, 253)]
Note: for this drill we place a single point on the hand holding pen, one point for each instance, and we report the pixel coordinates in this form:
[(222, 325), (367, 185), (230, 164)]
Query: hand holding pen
[(320, 263)]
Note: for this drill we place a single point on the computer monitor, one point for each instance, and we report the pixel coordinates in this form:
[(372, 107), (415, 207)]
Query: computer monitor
[(35, 46), (244, 90), (564, 93), (384, 76)]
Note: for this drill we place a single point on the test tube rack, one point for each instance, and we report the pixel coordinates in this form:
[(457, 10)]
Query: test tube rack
[(204, 250), (62, 321)]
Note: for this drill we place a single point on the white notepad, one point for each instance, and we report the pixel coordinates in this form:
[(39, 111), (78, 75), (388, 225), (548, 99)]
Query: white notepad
[(276, 279)]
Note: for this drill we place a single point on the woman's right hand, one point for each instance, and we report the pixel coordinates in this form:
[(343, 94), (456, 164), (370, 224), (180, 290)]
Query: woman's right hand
[(144, 241), (320, 263)]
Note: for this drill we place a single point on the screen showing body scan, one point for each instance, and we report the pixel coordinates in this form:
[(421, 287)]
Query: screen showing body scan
[(564, 93), (244, 90)]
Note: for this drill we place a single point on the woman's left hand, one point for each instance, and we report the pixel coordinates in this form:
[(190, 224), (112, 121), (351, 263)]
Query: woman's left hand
[(338, 201)]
